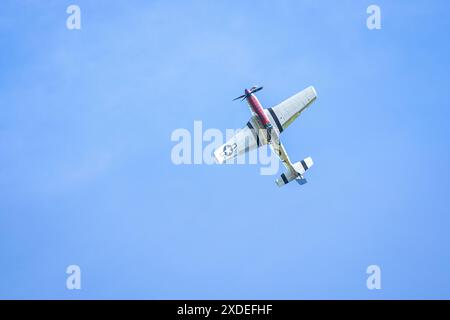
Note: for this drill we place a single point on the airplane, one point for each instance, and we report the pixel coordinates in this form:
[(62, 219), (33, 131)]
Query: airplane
[(265, 127)]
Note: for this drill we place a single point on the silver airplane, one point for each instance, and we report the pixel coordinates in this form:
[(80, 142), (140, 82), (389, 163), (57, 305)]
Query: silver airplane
[(265, 127)]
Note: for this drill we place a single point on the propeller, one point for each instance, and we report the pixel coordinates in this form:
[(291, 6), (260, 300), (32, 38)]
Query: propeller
[(252, 90)]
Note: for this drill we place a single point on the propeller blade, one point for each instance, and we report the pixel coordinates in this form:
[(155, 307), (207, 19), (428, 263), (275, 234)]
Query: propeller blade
[(241, 97), (257, 89), (244, 96)]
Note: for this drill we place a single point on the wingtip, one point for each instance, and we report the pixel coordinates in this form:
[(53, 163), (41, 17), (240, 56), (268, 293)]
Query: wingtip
[(217, 158), (313, 90)]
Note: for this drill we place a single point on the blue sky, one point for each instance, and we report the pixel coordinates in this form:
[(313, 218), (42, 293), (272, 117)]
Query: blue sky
[(86, 176)]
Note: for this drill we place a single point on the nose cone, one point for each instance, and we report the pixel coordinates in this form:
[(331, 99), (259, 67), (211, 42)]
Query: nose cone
[(247, 91)]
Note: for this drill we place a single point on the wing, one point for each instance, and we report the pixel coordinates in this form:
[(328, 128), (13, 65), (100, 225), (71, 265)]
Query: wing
[(244, 140), (286, 112)]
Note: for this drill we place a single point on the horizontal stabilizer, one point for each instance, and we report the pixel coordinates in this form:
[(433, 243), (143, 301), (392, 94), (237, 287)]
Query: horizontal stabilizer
[(285, 178), (303, 165), (300, 168)]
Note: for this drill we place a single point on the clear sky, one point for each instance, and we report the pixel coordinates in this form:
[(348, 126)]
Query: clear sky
[(86, 176)]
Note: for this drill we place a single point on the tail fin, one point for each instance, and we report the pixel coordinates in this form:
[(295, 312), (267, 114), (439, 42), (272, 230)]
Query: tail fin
[(300, 168)]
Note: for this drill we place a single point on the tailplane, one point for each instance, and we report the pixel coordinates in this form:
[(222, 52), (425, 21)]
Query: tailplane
[(301, 166), (296, 174)]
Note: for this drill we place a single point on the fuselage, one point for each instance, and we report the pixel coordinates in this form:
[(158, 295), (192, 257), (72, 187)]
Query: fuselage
[(258, 109)]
